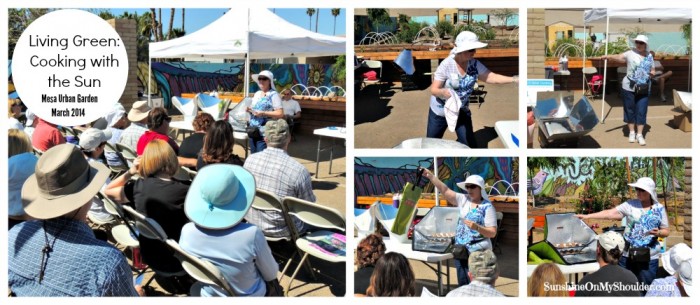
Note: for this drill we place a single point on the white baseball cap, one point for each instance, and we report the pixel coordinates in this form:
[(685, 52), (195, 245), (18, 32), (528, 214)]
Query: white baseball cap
[(30, 117), (92, 137), (611, 239)]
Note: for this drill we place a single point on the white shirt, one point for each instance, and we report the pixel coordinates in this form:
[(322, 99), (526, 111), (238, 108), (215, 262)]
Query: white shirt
[(291, 107)]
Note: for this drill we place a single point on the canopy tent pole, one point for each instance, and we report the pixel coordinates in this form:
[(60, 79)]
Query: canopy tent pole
[(246, 81), (605, 66), (583, 65), (149, 81), (435, 172)]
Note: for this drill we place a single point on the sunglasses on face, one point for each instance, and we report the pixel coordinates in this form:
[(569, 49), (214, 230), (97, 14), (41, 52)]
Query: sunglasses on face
[(639, 190), (287, 94), (168, 119), (262, 78), (471, 51), (471, 186)]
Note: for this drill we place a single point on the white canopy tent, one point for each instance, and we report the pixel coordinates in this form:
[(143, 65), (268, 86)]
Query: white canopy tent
[(255, 33), (646, 16)]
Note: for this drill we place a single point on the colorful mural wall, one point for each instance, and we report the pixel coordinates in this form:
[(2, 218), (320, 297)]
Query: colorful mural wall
[(371, 180), (175, 78), (570, 179)]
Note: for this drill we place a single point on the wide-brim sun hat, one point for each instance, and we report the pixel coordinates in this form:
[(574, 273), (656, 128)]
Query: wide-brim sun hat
[(685, 274), (642, 38), (475, 180), (648, 185), (220, 195), (115, 114), (466, 41), (63, 181), (673, 258), (268, 74), (139, 111)]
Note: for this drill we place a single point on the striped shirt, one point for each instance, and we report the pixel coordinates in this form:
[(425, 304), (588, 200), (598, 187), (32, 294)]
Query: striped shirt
[(278, 173), (131, 135), (78, 265)]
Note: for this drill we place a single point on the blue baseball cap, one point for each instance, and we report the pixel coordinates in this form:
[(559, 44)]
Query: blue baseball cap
[(220, 196)]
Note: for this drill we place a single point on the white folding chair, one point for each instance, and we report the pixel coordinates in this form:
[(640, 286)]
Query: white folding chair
[(201, 269), (265, 201), (374, 64), (321, 217)]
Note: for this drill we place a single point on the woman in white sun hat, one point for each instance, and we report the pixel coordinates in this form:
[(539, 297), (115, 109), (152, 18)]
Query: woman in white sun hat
[(267, 104), (478, 216), (640, 67), (458, 74), (678, 262), (646, 220)]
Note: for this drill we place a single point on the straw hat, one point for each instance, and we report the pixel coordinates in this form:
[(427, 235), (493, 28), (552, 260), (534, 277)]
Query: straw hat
[(139, 111), (475, 180), (648, 185), (466, 41), (63, 181), (220, 196)]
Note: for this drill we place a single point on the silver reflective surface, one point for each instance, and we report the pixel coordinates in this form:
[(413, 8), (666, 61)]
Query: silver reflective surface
[(430, 143), (571, 237), (434, 233), (560, 119)]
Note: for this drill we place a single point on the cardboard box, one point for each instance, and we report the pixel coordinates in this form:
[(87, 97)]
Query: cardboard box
[(683, 121)]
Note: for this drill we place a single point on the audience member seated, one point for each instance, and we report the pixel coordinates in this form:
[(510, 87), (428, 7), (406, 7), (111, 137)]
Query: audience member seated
[(92, 143), (158, 126), (218, 146), (678, 262), (192, 145), (370, 249), (292, 110), (483, 272), (138, 115), (160, 197), (276, 172), (218, 199), (392, 277), (547, 275), (57, 254), (14, 112), (20, 166), (608, 253), (46, 135)]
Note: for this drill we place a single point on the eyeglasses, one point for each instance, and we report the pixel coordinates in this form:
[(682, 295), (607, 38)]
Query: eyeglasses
[(262, 78), (471, 186), (471, 51), (287, 94), (639, 189), (639, 42), (168, 119)]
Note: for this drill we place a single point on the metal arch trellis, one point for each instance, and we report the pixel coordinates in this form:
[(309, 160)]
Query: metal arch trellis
[(375, 38)]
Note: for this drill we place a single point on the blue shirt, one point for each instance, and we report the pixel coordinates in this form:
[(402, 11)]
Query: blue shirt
[(79, 265), (664, 287), (241, 253)]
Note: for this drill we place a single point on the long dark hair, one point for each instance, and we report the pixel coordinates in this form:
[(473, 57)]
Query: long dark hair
[(218, 143), (392, 277)]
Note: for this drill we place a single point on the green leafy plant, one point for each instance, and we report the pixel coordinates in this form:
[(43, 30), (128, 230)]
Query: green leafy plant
[(339, 71), (378, 17), (408, 33), (444, 28)]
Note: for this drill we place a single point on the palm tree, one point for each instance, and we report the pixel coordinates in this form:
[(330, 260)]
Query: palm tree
[(318, 10), (378, 16), (310, 12), (172, 18), (154, 24), (335, 12), (183, 19)]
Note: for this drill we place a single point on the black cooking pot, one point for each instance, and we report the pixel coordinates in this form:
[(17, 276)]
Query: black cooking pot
[(614, 228)]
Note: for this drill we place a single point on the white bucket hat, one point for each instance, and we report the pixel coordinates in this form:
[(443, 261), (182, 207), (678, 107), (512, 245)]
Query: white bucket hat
[(685, 274), (466, 41), (268, 74), (673, 258), (642, 38), (475, 180), (648, 185)]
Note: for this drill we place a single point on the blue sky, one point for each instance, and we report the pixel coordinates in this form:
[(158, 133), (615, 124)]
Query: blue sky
[(196, 18)]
